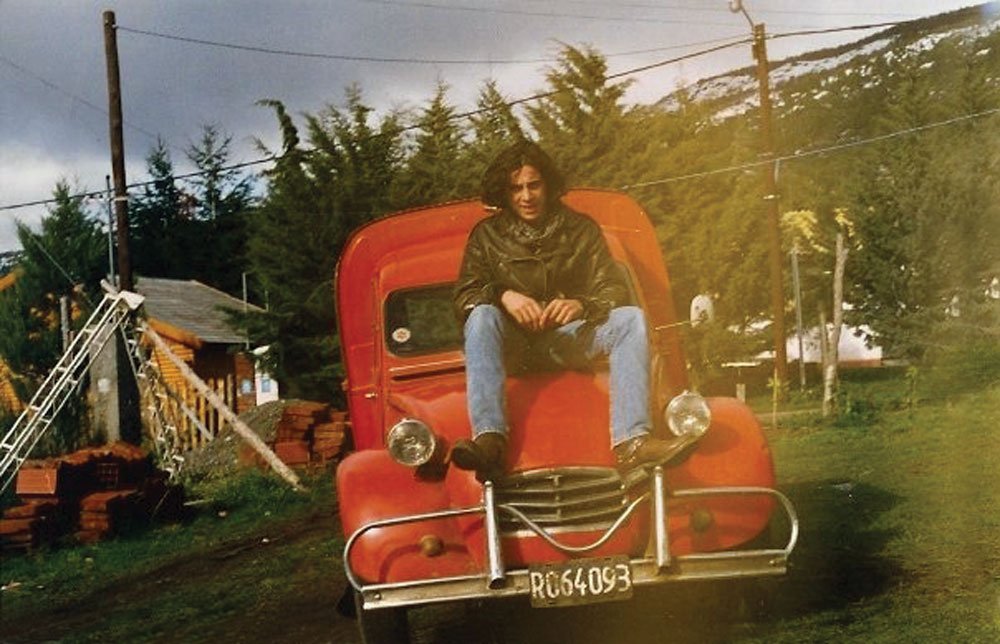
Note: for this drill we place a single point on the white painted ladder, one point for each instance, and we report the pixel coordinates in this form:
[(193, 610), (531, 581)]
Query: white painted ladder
[(109, 316)]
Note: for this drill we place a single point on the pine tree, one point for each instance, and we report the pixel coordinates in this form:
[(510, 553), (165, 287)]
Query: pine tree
[(494, 128), (435, 171), (315, 198), (198, 233), (899, 272), (223, 199), (67, 259), (582, 122), (159, 222)]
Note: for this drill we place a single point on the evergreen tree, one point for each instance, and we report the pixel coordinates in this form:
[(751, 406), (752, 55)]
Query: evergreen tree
[(67, 258), (712, 227), (160, 225), (436, 170), (582, 122), (315, 198), (223, 198), (494, 128), (199, 233), (896, 287)]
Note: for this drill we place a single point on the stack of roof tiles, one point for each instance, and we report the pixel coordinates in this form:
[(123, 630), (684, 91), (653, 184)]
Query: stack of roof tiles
[(310, 434), (93, 492)]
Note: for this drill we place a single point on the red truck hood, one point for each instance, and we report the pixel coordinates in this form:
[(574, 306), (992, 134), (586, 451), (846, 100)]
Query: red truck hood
[(556, 419)]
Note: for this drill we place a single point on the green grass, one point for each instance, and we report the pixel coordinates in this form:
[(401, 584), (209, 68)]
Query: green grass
[(182, 582), (900, 507), (899, 502)]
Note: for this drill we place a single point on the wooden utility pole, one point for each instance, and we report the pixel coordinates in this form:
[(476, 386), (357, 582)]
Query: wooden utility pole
[(771, 198), (116, 396), (117, 150)]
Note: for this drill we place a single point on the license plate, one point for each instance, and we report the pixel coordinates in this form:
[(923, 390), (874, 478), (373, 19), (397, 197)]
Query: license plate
[(581, 581)]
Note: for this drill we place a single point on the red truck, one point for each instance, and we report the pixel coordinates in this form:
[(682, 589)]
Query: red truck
[(565, 526)]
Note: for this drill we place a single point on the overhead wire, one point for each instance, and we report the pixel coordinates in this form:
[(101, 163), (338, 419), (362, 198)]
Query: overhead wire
[(702, 8), (632, 186), (38, 242), (542, 14), (465, 61), (383, 59), (422, 4), (815, 152), (319, 55), (53, 86), (615, 76), (461, 115), (834, 30), (548, 94)]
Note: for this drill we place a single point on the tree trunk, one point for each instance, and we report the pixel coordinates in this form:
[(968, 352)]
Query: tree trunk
[(831, 355)]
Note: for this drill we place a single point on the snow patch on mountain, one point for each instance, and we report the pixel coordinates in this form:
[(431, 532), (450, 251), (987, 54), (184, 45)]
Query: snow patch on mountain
[(736, 92)]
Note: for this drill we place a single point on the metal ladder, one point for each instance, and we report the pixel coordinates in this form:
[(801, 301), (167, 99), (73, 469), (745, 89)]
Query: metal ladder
[(162, 430), (109, 316)]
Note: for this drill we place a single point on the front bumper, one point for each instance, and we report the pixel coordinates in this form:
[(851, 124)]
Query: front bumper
[(655, 568)]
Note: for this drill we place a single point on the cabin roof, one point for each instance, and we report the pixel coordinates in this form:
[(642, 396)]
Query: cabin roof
[(192, 307)]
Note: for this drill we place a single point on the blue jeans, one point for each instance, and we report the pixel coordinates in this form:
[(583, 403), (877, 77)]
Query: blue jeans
[(491, 337)]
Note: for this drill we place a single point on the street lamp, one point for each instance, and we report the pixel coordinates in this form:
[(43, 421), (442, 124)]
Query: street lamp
[(770, 194)]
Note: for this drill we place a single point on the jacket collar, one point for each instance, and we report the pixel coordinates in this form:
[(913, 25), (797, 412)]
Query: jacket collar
[(527, 233)]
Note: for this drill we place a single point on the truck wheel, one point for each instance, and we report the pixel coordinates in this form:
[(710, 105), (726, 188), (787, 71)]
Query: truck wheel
[(382, 626)]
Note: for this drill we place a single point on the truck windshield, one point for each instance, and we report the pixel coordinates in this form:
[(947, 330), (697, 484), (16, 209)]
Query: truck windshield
[(422, 320)]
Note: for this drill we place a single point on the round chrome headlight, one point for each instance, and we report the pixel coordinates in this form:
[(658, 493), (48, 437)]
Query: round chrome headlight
[(411, 442), (688, 415)]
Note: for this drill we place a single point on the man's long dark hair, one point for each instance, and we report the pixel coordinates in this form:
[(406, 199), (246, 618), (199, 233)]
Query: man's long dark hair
[(496, 179)]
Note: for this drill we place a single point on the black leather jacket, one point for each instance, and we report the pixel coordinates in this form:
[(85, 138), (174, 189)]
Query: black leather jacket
[(564, 256)]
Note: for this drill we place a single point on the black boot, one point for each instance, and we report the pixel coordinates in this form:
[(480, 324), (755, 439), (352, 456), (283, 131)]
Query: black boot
[(484, 455), (647, 450)]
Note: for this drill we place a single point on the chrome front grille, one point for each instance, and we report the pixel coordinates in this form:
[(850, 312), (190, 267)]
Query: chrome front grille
[(571, 497)]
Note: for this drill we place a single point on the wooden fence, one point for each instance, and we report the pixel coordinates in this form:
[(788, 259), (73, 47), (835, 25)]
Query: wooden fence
[(195, 422)]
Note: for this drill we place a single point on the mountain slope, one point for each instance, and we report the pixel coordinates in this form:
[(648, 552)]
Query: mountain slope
[(870, 62)]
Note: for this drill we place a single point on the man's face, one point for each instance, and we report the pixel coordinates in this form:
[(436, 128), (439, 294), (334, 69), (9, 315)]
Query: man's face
[(527, 193)]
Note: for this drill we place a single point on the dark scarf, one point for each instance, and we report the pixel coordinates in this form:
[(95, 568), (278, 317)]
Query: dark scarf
[(534, 234)]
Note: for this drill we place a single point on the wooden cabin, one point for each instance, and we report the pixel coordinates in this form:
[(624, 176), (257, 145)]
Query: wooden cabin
[(191, 317)]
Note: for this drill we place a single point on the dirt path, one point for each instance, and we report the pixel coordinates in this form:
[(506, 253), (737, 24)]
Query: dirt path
[(304, 612), (300, 612)]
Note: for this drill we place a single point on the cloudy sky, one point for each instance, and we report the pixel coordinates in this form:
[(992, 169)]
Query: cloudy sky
[(53, 91)]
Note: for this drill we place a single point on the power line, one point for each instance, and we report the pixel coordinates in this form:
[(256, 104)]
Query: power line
[(79, 99), (644, 184), (38, 242), (818, 151), (544, 14), (269, 159), (834, 30), (323, 56), (629, 72), (443, 61), (512, 103), (643, 19), (100, 194), (382, 59), (702, 8)]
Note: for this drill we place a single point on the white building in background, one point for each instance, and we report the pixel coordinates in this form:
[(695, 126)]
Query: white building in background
[(852, 351)]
